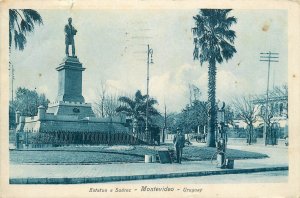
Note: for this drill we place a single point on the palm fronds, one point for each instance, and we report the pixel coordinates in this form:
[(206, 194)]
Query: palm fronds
[(21, 22), (136, 107)]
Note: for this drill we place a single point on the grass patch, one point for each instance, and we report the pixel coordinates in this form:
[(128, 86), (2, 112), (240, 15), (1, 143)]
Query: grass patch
[(125, 154)]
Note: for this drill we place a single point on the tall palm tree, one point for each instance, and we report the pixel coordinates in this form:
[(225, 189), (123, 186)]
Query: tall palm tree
[(21, 22), (213, 43), (136, 109)]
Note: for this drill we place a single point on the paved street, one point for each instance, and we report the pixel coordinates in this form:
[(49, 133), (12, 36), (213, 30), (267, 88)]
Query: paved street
[(265, 177), (67, 171)]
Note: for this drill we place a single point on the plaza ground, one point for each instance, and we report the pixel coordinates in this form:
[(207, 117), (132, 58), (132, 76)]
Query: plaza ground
[(277, 163), (117, 154)]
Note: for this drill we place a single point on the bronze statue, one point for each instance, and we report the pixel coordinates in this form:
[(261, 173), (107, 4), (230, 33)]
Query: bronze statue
[(70, 31)]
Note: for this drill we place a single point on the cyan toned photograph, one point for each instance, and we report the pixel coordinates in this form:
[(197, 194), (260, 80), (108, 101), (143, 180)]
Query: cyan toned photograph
[(148, 100)]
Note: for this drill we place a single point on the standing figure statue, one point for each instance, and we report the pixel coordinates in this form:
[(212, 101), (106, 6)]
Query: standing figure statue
[(179, 141), (70, 31)]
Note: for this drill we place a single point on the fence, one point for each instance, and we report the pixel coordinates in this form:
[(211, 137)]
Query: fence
[(60, 138)]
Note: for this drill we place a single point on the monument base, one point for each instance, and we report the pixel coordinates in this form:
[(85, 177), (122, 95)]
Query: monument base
[(79, 109), (70, 80)]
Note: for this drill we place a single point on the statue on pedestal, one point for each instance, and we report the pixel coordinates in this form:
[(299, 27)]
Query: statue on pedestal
[(70, 31)]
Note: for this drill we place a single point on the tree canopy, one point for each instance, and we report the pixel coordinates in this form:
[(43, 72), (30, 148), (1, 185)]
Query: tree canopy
[(27, 101), (214, 39)]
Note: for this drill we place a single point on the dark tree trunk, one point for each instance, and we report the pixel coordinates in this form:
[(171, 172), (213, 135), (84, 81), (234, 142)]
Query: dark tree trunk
[(212, 114), (251, 134)]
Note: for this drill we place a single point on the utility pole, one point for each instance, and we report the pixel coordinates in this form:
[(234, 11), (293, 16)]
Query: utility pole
[(268, 57), (190, 94), (12, 70), (273, 79), (110, 132), (149, 61), (165, 125)]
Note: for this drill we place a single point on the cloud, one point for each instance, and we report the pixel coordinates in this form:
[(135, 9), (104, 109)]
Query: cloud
[(228, 84), (172, 87), (44, 89)]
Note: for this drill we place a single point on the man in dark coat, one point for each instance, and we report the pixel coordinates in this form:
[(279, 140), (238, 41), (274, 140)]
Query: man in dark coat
[(179, 141), (70, 31)]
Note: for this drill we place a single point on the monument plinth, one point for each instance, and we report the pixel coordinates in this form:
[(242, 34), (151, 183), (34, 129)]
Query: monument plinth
[(69, 98), (70, 80)]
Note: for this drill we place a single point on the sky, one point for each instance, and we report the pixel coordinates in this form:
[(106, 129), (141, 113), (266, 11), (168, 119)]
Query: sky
[(112, 46)]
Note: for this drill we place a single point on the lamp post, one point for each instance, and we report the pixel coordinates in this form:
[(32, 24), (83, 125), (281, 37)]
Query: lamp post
[(221, 121), (36, 99), (165, 125), (221, 136), (149, 61)]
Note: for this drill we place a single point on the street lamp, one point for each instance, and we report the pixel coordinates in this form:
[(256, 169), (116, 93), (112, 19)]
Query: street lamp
[(221, 121), (149, 61), (221, 143)]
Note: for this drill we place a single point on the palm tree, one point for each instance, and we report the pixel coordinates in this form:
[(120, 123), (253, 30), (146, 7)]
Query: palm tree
[(213, 43), (21, 22), (136, 109)]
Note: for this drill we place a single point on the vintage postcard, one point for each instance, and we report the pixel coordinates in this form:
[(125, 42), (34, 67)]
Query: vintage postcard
[(150, 98)]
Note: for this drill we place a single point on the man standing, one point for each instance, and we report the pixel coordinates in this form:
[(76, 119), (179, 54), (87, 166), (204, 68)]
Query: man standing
[(70, 31), (179, 141)]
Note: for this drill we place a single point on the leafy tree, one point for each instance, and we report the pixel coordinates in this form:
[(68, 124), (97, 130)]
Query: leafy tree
[(12, 115), (135, 108), (213, 43), (21, 22), (27, 101), (170, 123), (193, 116)]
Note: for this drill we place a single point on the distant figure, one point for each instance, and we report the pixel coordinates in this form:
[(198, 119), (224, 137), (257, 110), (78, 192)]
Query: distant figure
[(286, 142), (70, 31), (179, 141)]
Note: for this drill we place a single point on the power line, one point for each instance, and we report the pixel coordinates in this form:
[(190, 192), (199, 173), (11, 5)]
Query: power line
[(141, 37)]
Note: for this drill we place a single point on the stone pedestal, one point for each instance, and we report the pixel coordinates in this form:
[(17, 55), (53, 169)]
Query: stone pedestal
[(70, 80), (63, 108), (70, 101)]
